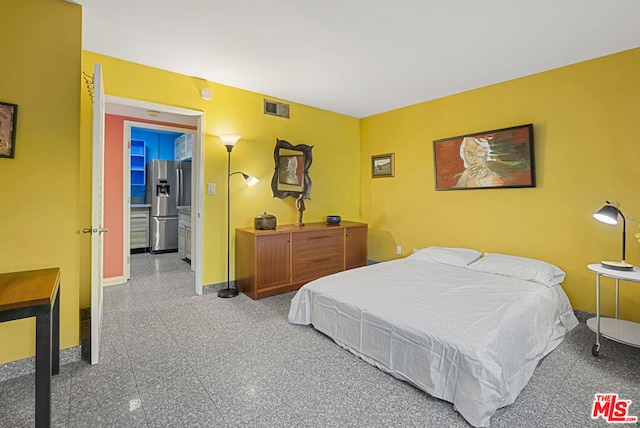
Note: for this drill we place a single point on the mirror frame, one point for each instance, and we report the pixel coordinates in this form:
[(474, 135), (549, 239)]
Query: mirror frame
[(306, 185)]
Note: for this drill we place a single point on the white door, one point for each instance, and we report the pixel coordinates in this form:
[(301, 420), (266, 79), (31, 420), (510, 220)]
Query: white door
[(97, 212)]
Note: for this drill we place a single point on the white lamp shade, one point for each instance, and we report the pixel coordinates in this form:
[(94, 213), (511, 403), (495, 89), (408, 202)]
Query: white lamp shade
[(251, 180), (229, 139)]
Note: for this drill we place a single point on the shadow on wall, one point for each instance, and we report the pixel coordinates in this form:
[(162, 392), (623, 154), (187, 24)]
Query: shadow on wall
[(384, 244)]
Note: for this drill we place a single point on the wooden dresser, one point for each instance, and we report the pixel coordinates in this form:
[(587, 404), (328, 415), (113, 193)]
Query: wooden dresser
[(271, 262)]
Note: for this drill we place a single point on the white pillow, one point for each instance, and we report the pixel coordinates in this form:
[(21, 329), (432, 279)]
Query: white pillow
[(448, 256), (519, 267)]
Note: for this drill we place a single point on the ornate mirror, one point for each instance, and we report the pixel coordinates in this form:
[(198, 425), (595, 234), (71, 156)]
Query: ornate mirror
[(291, 175)]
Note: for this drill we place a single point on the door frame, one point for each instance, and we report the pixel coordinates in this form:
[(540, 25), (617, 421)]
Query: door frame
[(197, 201)]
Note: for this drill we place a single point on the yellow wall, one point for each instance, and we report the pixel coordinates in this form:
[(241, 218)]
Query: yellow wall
[(334, 171), (41, 55), (587, 150)]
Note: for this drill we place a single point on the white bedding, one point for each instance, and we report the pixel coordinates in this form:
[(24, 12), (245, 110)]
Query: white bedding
[(470, 338)]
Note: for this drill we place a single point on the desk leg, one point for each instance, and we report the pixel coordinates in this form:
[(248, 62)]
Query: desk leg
[(55, 356), (43, 369)]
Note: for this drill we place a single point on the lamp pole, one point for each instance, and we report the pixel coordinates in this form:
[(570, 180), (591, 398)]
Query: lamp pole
[(228, 292), (624, 236)]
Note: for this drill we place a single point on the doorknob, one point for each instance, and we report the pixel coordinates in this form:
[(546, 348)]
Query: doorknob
[(99, 230)]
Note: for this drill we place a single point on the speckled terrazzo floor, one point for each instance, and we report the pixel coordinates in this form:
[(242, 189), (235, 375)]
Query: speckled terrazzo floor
[(173, 359)]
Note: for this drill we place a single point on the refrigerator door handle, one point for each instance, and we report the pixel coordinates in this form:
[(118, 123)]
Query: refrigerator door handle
[(181, 200), (179, 190)]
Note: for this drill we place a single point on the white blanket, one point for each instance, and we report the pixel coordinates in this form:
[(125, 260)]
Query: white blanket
[(470, 338)]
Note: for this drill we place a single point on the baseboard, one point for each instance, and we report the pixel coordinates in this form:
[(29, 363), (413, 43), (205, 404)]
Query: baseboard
[(214, 288), (27, 366), (116, 280)]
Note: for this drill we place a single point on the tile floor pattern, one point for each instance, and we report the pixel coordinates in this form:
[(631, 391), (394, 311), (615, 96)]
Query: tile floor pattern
[(173, 359)]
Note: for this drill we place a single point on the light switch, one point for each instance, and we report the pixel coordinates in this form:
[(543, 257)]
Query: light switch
[(211, 188)]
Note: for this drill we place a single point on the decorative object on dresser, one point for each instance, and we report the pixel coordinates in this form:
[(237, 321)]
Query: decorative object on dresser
[(271, 262), (265, 222), (609, 215), (229, 142), (333, 220), (300, 207), (490, 159), (8, 119)]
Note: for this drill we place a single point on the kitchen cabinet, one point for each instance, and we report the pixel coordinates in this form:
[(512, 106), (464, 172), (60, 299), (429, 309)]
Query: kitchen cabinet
[(271, 262), (139, 227), (138, 163), (184, 233), (183, 147)]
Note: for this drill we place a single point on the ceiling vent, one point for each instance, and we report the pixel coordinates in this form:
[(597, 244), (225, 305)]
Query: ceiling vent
[(275, 108)]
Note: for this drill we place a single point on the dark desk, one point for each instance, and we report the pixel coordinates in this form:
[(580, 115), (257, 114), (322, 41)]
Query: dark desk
[(36, 294)]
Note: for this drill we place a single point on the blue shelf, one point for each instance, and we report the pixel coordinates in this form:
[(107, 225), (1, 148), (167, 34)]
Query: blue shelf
[(138, 163)]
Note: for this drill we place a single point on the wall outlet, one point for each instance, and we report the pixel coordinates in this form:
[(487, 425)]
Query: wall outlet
[(211, 188), (398, 249)]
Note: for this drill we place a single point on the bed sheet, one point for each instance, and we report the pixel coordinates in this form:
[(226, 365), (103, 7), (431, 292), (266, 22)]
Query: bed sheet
[(470, 338)]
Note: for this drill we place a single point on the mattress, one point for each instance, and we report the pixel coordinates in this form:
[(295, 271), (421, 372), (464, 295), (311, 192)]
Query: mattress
[(471, 338)]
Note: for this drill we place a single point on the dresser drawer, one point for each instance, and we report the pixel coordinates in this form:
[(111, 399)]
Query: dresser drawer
[(317, 253)]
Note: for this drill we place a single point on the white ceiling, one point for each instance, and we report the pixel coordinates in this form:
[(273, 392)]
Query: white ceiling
[(359, 57)]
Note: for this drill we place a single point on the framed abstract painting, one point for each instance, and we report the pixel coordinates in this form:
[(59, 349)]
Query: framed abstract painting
[(502, 158)]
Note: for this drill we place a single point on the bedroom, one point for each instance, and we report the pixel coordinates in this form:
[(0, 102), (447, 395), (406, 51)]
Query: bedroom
[(585, 141)]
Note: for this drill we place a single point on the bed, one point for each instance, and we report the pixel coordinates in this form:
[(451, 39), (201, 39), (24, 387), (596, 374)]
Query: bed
[(466, 329)]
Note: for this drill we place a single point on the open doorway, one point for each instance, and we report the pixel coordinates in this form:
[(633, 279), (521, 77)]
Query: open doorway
[(124, 168), (160, 184)]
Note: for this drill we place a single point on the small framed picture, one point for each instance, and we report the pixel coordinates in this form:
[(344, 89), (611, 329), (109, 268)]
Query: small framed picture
[(382, 165), (8, 118)]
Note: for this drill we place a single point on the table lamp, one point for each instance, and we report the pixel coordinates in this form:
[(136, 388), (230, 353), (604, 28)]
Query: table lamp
[(609, 215)]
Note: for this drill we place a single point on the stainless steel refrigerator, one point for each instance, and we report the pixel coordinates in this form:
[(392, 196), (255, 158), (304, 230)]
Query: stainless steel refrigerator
[(168, 187)]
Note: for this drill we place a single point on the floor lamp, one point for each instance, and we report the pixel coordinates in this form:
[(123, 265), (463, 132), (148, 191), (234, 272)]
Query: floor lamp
[(229, 142)]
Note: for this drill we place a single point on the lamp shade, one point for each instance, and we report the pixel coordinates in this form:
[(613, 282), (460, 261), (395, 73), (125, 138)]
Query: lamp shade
[(229, 140), (607, 214), (250, 180)]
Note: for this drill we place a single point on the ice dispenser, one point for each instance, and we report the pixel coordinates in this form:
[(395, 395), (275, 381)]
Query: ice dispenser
[(163, 188)]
